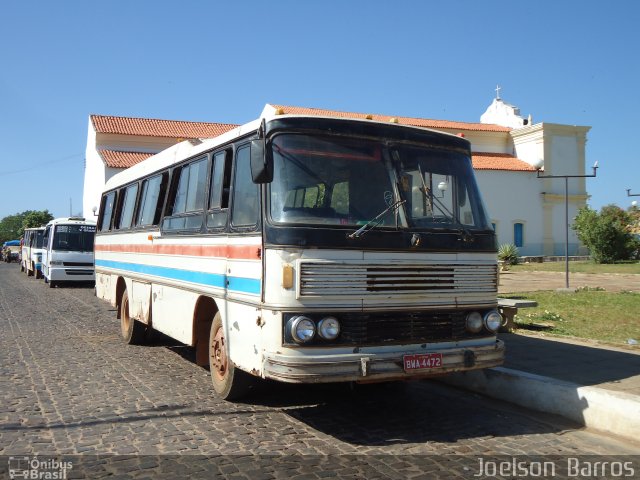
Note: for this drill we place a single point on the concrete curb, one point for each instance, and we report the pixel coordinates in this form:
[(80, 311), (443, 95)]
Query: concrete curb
[(607, 410)]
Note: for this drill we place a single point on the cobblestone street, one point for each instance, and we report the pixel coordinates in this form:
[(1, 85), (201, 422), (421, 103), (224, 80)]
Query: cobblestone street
[(69, 385)]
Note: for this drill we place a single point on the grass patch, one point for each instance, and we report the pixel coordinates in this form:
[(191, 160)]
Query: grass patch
[(578, 267), (588, 313)]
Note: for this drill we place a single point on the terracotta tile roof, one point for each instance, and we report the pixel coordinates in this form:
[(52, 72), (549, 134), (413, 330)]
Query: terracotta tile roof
[(499, 161), (116, 159), (158, 128), (416, 122)]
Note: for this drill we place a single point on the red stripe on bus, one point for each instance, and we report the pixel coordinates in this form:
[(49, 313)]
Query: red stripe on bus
[(244, 252)]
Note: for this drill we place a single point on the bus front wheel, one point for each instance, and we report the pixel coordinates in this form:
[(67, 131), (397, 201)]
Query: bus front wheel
[(133, 332), (229, 382)]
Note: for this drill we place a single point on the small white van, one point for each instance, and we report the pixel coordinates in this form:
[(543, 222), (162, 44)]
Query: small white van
[(32, 251), (68, 251)]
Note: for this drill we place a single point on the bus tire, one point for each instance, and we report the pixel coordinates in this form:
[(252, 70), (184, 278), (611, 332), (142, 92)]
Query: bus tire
[(52, 284), (31, 271), (133, 332), (229, 382)]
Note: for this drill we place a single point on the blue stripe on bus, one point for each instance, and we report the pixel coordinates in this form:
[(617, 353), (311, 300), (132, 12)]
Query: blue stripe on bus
[(236, 284)]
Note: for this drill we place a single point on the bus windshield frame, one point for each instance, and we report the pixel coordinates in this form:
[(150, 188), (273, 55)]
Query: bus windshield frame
[(325, 180)]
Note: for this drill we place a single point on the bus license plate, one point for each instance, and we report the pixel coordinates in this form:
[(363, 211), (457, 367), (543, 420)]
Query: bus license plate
[(422, 361)]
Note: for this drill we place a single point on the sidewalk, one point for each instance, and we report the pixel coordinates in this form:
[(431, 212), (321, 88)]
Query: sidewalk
[(592, 384)]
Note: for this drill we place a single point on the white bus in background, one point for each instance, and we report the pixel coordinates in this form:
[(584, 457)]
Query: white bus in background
[(32, 251), (306, 249), (67, 254)]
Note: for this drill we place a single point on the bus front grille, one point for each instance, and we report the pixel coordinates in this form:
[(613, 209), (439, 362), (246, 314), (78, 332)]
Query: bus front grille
[(318, 279), (420, 327), (78, 272)]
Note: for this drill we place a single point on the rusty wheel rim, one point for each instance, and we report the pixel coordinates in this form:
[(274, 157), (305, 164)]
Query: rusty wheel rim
[(219, 355)]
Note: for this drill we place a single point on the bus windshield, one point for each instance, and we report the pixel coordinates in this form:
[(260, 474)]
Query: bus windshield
[(333, 180), (74, 238)]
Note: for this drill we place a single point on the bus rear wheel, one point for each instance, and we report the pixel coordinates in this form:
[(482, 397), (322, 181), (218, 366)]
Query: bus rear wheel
[(229, 382), (133, 332)]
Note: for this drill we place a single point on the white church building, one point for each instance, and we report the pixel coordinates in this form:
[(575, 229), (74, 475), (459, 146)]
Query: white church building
[(507, 151)]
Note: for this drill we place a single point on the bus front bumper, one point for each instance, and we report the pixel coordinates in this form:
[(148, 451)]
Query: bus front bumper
[(66, 274), (366, 367)]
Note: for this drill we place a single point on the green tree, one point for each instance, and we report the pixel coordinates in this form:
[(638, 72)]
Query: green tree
[(36, 218), (12, 226), (606, 234)]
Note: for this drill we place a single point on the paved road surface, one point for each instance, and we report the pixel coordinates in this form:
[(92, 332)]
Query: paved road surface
[(68, 385)]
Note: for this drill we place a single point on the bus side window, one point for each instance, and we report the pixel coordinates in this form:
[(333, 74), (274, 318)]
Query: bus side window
[(245, 192), (186, 203), (45, 237), (128, 205), (106, 211), (151, 197), (219, 191)]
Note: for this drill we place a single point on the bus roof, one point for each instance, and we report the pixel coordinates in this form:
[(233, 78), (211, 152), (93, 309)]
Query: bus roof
[(71, 220)]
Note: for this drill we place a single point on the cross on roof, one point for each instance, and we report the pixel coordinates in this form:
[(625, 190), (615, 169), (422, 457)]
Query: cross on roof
[(498, 88)]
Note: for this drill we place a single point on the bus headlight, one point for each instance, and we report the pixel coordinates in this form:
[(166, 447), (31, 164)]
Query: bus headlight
[(329, 328), (302, 329), (474, 322), (492, 320)]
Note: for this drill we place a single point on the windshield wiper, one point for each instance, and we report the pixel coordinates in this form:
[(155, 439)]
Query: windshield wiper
[(374, 222)]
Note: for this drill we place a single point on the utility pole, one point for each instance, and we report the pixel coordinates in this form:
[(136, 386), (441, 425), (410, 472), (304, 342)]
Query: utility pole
[(566, 214)]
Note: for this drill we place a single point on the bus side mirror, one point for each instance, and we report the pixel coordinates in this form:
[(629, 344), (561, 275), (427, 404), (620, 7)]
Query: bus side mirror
[(261, 162)]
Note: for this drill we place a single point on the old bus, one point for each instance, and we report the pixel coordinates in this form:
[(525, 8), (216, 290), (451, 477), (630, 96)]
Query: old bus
[(67, 254), (306, 249), (32, 251)]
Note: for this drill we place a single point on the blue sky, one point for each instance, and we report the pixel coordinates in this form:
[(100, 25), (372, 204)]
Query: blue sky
[(572, 62)]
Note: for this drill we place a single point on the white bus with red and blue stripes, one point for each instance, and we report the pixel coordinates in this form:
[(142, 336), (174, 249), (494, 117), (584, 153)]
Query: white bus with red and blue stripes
[(306, 249)]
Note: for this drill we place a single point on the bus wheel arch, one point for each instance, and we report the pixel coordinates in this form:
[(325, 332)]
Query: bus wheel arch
[(204, 312), (121, 287)]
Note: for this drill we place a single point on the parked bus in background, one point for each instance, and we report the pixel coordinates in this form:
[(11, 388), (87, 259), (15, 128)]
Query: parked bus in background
[(32, 251), (306, 249), (67, 254)]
